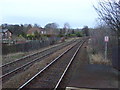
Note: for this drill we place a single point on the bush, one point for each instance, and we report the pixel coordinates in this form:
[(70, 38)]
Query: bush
[(30, 36), (60, 35), (78, 34)]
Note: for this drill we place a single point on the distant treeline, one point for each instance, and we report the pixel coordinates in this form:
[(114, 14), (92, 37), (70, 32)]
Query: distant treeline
[(18, 30)]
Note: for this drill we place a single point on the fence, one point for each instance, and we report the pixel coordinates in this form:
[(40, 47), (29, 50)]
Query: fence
[(25, 47)]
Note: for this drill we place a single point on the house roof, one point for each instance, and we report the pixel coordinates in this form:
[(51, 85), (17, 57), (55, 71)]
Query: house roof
[(3, 30), (32, 30)]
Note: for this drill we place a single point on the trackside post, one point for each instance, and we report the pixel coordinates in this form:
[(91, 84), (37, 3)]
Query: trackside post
[(106, 39)]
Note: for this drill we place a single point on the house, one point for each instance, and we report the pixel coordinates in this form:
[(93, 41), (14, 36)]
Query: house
[(45, 31), (5, 34), (33, 30)]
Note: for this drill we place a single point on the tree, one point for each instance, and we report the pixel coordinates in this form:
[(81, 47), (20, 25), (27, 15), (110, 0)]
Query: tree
[(52, 25), (66, 28), (36, 25), (37, 35), (78, 34), (109, 12), (73, 32), (52, 29), (30, 36), (61, 32), (86, 30), (67, 25), (24, 34)]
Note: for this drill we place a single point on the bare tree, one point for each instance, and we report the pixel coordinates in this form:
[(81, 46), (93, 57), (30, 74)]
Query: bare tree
[(66, 28), (85, 30), (67, 25), (36, 25), (109, 12), (52, 25)]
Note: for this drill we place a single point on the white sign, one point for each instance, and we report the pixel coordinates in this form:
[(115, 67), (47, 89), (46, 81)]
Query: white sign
[(106, 38)]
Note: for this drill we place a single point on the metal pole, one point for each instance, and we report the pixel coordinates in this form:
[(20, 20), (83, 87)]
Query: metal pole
[(105, 50)]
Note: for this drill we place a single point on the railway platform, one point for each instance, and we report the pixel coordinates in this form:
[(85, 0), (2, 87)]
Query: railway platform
[(94, 76)]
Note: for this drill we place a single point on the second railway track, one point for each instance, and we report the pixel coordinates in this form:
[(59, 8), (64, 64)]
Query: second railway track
[(51, 75), (14, 67)]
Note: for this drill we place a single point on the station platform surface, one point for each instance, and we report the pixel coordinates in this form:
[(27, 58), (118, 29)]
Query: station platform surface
[(94, 76)]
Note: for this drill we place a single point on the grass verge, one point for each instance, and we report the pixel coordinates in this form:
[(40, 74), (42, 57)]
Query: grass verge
[(95, 57)]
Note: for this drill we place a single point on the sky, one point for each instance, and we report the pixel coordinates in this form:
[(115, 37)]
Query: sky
[(78, 13)]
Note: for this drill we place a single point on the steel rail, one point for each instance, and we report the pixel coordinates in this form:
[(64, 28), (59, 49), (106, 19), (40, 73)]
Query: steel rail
[(27, 56), (66, 69), (21, 67), (46, 67), (30, 55)]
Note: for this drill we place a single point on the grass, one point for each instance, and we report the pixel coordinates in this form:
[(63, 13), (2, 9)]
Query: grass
[(18, 56), (98, 59), (95, 57), (11, 57)]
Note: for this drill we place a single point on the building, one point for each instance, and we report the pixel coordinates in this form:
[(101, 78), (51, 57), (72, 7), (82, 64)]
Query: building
[(5, 34), (35, 29), (45, 31)]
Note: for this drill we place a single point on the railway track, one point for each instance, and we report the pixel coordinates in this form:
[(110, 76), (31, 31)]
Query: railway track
[(52, 75), (16, 66)]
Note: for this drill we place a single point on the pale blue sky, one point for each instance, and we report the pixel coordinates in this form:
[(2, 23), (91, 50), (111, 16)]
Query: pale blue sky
[(77, 13)]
